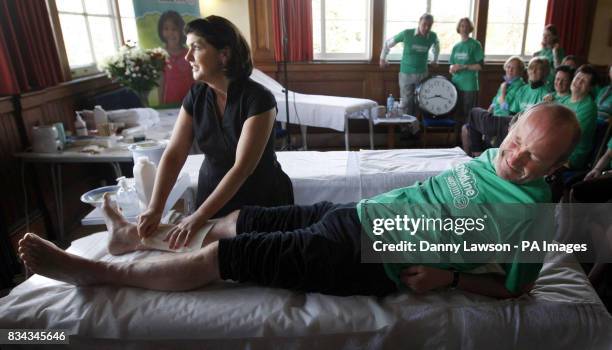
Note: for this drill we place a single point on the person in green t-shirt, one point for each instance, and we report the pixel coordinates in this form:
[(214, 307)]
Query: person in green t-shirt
[(551, 51), (483, 130), (582, 104), (466, 60), (413, 67), (563, 79), (603, 99), (604, 163), (317, 248)]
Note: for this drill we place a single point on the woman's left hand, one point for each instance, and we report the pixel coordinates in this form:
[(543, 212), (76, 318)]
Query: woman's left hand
[(182, 234)]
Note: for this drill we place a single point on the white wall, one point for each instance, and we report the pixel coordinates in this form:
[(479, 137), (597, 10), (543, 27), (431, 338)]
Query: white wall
[(600, 51), (236, 11)]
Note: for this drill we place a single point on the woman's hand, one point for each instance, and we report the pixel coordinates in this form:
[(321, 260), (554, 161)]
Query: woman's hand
[(422, 279), (148, 222), (182, 234), (593, 174)]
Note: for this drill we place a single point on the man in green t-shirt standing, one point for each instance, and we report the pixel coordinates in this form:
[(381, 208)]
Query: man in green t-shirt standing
[(413, 67), (317, 248)]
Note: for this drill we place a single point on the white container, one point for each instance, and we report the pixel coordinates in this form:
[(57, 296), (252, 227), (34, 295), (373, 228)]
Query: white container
[(127, 198), (144, 179), (151, 149), (44, 139), (100, 116), (80, 125)]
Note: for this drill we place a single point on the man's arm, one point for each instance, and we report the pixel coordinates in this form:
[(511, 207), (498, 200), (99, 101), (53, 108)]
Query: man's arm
[(436, 52), (388, 44), (424, 278)]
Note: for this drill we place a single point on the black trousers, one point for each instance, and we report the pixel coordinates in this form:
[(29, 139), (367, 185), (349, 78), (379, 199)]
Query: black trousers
[(313, 248), (486, 130)]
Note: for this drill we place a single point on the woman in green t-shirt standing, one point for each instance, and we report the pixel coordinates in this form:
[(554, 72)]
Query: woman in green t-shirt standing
[(465, 61)]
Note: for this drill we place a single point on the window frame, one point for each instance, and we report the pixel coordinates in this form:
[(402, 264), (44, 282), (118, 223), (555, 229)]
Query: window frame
[(523, 55), (335, 57), (79, 71)]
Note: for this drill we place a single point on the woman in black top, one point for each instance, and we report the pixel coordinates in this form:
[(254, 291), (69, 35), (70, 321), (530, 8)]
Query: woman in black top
[(232, 120)]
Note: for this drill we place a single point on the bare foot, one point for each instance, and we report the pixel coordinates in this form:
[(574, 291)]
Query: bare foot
[(45, 258), (123, 234)]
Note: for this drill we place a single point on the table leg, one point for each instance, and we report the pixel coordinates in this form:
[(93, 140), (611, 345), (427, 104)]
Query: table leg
[(304, 131), (371, 127), (346, 133), (56, 181)]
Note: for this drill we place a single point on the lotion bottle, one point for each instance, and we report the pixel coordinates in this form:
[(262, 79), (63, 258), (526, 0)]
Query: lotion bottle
[(144, 177), (127, 198), (80, 126)]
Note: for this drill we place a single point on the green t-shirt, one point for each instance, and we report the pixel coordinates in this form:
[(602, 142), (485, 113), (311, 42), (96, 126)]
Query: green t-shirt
[(503, 110), (475, 182), (548, 54), (527, 97), (416, 48), (466, 52), (586, 113), (604, 103)]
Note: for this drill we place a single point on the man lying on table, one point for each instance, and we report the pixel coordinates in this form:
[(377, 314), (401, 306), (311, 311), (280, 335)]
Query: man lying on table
[(317, 248)]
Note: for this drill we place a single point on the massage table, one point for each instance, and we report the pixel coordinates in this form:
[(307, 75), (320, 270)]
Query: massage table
[(562, 311), (323, 111)]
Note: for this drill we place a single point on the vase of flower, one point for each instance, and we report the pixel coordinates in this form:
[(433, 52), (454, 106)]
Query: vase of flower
[(136, 68)]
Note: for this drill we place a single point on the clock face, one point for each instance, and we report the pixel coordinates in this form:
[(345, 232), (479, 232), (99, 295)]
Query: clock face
[(437, 95)]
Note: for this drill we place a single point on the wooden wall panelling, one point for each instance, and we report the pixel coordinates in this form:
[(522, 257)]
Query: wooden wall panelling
[(262, 34)]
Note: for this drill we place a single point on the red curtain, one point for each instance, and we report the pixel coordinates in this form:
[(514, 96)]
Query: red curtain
[(571, 19), (298, 18), (28, 55)]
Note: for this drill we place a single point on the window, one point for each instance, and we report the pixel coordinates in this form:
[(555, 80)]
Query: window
[(402, 14), (341, 30), (92, 30), (514, 27)]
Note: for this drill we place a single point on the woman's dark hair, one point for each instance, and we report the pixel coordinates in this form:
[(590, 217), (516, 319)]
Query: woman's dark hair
[(176, 19), (565, 69), (221, 33)]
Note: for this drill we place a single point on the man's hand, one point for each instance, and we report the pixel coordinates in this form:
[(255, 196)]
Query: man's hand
[(383, 63), (593, 174), (421, 278), (454, 68), (181, 234), (548, 98)]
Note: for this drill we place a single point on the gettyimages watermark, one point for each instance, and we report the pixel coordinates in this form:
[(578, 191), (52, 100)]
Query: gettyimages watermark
[(485, 233)]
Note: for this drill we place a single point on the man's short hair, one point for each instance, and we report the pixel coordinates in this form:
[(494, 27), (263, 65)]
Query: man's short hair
[(426, 17), (469, 24), (542, 61), (589, 70)]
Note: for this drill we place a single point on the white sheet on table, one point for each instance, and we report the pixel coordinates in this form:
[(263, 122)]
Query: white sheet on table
[(562, 311), (343, 177), (314, 110), (384, 170)]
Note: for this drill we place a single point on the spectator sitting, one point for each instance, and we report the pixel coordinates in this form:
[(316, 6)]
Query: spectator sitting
[(481, 126), (570, 60), (563, 79)]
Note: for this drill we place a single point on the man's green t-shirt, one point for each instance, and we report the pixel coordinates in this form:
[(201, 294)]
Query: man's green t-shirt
[(466, 52), (586, 113), (527, 97), (416, 48), (511, 90), (474, 182)]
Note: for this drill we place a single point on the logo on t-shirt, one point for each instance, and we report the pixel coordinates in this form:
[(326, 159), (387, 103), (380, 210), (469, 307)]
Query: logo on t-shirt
[(462, 186), (419, 48), (461, 56)]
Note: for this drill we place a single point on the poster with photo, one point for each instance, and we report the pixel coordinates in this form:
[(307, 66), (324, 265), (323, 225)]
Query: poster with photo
[(160, 24)]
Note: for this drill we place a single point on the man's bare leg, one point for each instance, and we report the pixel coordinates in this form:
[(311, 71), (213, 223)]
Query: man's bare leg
[(181, 272), (124, 235)]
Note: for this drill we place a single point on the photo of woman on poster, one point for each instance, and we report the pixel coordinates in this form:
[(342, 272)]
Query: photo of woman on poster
[(177, 77)]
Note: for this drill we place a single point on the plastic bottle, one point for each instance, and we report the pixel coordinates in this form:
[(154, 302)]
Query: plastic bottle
[(127, 198), (99, 116), (390, 102), (80, 126), (144, 177)]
